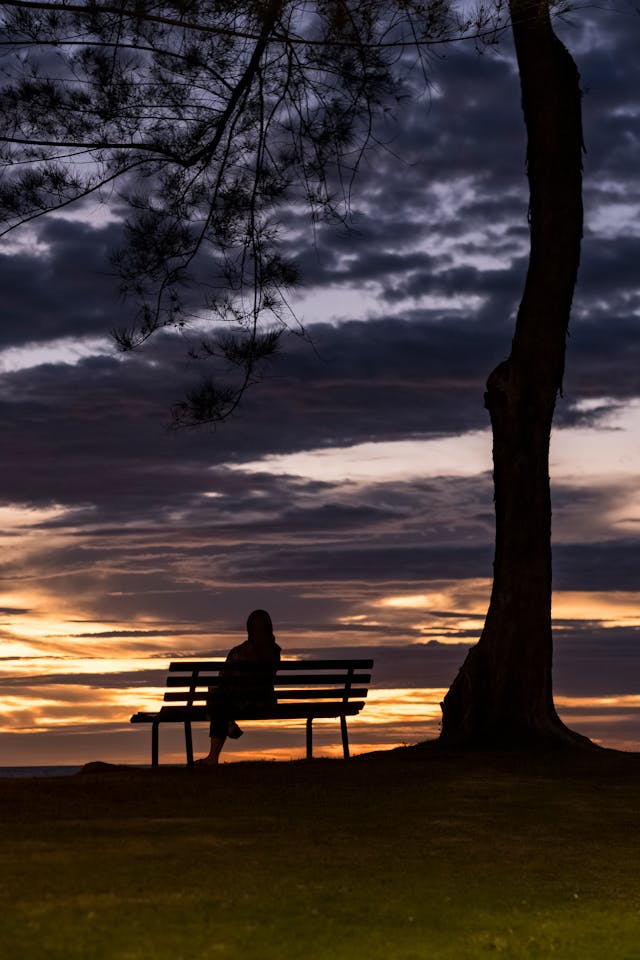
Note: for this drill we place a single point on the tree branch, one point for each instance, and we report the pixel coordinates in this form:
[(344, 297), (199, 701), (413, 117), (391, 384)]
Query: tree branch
[(289, 38)]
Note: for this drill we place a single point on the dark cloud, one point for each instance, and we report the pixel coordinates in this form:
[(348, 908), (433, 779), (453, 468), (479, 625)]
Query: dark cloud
[(594, 661), (611, 565), (450, 186), (67, 290), (96, 433)]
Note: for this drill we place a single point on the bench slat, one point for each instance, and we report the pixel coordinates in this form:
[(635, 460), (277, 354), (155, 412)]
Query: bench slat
[(337, 693), (191, 665), (284, 711), (312, 679)]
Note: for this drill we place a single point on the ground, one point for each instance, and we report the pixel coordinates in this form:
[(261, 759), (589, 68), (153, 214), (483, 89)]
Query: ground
[(412, 854)]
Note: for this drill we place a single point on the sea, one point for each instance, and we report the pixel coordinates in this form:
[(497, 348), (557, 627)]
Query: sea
[(13, 772)]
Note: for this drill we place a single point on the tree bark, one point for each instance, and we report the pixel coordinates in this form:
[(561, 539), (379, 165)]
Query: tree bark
[(503, 692)]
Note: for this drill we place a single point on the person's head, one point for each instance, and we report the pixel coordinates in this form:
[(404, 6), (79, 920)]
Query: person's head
[(259, 626)]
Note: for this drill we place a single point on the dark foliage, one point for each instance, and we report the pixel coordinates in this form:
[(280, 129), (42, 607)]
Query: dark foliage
[(196, 122)]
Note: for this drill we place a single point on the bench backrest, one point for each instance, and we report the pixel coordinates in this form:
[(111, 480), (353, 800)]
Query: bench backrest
[(327, 680)]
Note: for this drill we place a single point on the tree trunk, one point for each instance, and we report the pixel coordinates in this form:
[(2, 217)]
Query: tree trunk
[(503, 692)]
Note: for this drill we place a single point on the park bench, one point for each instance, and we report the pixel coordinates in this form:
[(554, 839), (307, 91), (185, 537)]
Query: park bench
[(305, 690)]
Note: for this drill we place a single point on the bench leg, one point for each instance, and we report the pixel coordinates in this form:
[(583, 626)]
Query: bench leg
[(309, 738), (345, 737), (188, 742), (154, 744)]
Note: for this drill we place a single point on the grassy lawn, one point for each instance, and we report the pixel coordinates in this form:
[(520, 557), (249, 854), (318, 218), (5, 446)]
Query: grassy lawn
[(409, 855)]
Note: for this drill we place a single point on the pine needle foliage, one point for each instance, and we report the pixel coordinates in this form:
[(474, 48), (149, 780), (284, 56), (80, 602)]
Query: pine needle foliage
[(199, 121)]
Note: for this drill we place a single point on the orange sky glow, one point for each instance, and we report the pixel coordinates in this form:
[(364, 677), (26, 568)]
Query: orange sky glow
[(72, 722)]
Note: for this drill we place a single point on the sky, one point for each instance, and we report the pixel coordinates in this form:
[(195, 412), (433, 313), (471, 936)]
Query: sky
[(351, 494)]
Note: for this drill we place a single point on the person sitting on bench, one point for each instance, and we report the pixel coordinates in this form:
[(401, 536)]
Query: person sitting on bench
[(241, 691)]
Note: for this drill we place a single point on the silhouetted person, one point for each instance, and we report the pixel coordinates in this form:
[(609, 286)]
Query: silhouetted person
[(242, 690)]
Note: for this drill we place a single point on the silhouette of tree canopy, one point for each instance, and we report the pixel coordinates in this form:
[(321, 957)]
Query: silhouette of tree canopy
[(208, 116), (205, 117)]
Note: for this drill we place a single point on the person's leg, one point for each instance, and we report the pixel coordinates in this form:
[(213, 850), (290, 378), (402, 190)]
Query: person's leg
[(218, 726), (215, 749)]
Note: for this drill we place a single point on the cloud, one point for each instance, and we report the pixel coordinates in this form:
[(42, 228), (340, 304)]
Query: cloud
[(63, 288), (608, 565)]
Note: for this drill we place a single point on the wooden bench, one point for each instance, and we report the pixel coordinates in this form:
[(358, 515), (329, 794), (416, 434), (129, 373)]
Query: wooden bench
[(305, 690)]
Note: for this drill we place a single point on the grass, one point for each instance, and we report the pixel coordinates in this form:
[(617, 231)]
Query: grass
[(411, 855)]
